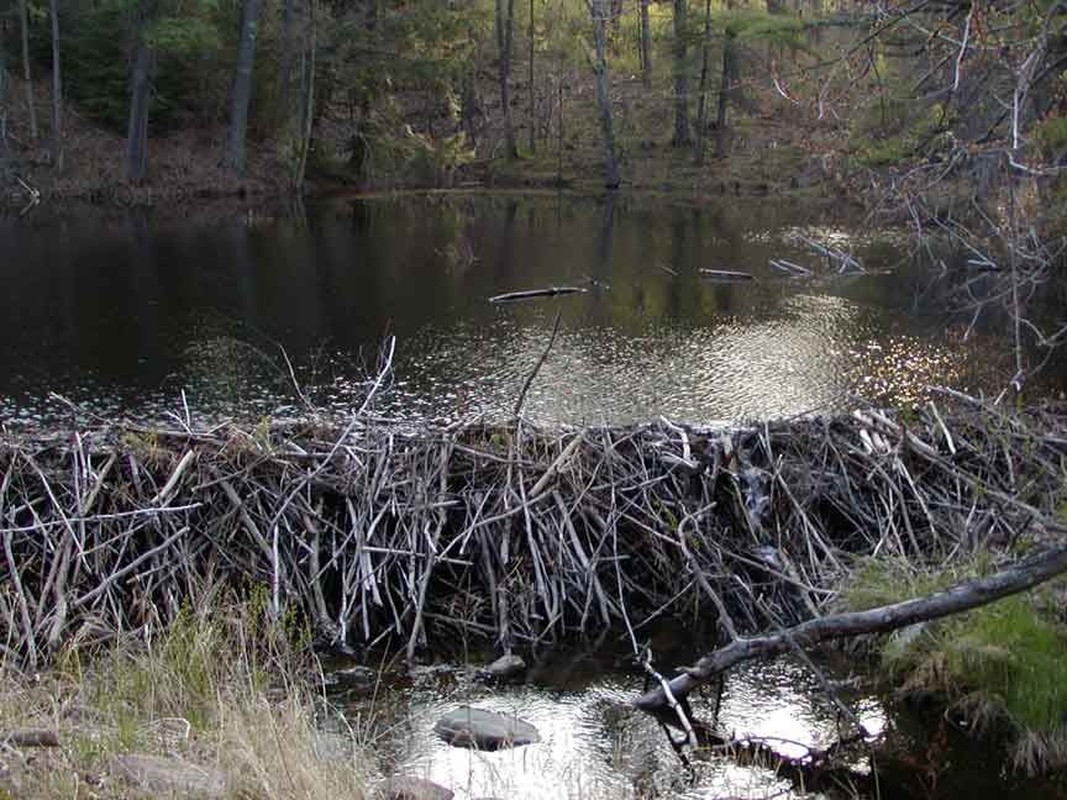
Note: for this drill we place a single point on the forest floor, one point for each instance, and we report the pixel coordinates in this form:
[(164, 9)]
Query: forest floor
[(773, 146)]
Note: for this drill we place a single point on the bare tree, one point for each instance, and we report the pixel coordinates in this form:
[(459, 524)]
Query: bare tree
[(307, 119), (729, 70), (681, 77), (286, 70), (599, 11), (31, 106), (702, 102), (505, 17), (57, 91), (5, 152), (530, 81), (140, 97), (234, 156), (646, 46)]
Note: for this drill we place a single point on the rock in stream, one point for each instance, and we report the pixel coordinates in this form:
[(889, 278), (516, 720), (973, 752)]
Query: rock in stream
[(506, 668), (484, 730)]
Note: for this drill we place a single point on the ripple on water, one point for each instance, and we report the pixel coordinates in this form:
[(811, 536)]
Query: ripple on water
[(594, 744)]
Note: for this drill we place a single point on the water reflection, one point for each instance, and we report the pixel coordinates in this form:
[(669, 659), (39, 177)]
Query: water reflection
[(124, 315), (595, 745)]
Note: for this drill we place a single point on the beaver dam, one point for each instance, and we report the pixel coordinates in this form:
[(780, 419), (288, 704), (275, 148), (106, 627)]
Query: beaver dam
[(513, 532)]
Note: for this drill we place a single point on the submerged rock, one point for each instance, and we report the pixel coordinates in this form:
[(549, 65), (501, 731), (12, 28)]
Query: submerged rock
[(506, 668), (168, 776), (484, 730), (404, 788)]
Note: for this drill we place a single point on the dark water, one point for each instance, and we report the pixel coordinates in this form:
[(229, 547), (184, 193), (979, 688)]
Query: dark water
[(122, 314)]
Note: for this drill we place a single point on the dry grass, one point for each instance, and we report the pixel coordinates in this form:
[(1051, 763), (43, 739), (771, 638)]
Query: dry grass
[(218, 691)]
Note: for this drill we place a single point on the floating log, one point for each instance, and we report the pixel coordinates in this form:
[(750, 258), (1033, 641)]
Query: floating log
[(789, 267), (726, 275), (529, 294)]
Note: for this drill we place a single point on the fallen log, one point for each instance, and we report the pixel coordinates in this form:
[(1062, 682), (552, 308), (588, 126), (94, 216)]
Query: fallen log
[(529, 294), (1019, 577)]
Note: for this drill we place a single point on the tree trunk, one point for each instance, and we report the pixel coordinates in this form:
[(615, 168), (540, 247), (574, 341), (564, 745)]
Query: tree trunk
[(702, 103), (725, 88), (140, 99), (57, 91), (5, 151), (559, 124), (308, 116), (964, 596), (234, 156), (530, 78), (505, 14), (31, 105), (599, 12), (681, 79), (286, 73), (646, 46)]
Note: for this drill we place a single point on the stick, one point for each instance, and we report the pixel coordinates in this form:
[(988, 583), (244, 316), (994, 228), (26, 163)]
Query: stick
[(537, 367), (726, 275)]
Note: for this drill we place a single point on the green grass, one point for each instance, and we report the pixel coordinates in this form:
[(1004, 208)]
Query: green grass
[(1012, 651), (1006, 660)]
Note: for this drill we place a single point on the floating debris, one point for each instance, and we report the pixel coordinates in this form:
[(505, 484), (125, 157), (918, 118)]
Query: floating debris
[(727, 275), (529, 294)]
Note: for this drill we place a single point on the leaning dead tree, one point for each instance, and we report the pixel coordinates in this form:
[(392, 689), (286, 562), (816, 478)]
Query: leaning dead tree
[(1019, 577)]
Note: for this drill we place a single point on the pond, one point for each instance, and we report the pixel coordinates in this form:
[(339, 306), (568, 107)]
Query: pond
[(144, 316)]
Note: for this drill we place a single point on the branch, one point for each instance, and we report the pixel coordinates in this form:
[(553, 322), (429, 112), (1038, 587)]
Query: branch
[(964, 596)]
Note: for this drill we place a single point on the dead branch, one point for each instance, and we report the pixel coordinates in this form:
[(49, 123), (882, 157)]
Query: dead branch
[(1019, 577)]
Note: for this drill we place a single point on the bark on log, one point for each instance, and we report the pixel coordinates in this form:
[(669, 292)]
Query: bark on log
[(964, 596)]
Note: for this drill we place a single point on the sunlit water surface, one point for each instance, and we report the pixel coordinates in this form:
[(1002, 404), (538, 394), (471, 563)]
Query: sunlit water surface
[(594, 744), (147, 317)]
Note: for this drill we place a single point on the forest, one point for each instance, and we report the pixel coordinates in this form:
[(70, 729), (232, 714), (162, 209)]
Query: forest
[(714, 97), (673, 390)]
